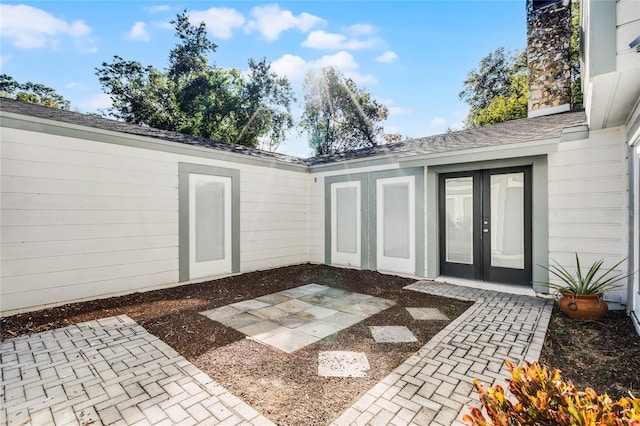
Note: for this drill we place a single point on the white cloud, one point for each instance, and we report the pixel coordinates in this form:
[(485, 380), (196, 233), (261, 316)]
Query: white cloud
[(295, 67), (361, 29), (76, 85), (333, 41), (441, 124), (139, 32), (271, 21), (457, 125), (387, 57), (159, 8), (291, 66), (30, 28), (438, 122), (101, 101), (221, 21)]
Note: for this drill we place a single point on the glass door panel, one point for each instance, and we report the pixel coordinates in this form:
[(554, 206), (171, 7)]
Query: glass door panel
[(459, 220), (345, 224), (209, 225), (396, 221), (507, 218)]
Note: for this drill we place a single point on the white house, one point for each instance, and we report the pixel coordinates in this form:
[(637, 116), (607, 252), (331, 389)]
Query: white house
[(93, 208)]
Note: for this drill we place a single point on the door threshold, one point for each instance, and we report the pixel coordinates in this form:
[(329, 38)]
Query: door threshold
[(486, 285)]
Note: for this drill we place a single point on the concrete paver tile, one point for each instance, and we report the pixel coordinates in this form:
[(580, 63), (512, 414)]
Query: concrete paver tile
[(392, 334), (427, 314), (290, 341), (342, 364)]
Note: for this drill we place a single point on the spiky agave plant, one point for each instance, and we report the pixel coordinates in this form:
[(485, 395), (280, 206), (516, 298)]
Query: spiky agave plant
[(590, 283)]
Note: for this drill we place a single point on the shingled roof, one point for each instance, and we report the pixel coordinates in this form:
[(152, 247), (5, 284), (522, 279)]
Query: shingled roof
[(510, 132), (516, 131)]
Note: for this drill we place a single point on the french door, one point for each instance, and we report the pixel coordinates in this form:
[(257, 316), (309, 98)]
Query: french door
[(485, 225)]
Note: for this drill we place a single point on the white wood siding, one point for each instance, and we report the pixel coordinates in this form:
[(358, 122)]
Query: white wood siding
[(588, 202), (83, 219)]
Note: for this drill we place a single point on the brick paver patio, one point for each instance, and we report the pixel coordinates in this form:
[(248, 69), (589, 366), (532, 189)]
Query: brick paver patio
[(112, 371), (109, 371), (435, 386)]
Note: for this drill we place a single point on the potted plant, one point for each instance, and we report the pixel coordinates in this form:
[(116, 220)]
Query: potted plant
[(582, 294)]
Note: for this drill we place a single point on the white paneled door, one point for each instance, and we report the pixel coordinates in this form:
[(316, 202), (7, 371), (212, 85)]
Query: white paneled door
[(395, 224), (209, 225), (346, 224)]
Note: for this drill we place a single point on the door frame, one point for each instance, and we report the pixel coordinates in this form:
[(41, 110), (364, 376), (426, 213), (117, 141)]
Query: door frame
[(471, 270), (518, 156), (184, 170), (481, 268), (369, 214)]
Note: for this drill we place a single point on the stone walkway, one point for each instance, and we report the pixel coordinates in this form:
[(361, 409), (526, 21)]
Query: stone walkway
[(110, 371), (435, 386), (292, 319)]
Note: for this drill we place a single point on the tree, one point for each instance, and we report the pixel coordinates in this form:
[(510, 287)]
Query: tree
[(200, 99), (506, 108), (338, 115), (34, 93), (498, 76), (576, 80)]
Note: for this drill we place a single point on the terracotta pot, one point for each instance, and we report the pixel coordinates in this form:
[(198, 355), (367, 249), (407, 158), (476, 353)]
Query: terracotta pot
[(583, 306)]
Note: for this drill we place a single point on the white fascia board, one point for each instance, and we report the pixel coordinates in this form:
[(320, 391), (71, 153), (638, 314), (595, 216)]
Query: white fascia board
[(496, 152), (146, 142), (632, 126)]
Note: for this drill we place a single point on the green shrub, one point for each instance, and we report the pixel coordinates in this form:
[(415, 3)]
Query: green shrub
[(543, 398)]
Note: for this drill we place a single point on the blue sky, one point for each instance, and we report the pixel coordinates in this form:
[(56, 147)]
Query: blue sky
[(411, 55)]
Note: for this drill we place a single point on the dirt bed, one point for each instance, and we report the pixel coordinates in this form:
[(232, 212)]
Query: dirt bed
[(284, 387), (604, 355)]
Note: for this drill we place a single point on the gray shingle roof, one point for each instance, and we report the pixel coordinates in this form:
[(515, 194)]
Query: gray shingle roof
[(516, 131), (70, 117), (510, 132)]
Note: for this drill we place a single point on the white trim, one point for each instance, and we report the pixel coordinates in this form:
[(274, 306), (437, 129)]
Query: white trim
[(634, 280), (211, 267), (508, 150), (395, 264), (345, 258), (549, 111)]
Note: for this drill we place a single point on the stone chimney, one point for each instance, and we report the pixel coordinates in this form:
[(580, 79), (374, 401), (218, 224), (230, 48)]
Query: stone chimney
[(549, 56)]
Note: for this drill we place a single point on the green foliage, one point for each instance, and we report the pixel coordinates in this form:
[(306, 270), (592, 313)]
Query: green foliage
[(499, 79), (200, 99), (576, 81), (503, 108), (543, 398), (31, 92), (589, 283), (338, 115)]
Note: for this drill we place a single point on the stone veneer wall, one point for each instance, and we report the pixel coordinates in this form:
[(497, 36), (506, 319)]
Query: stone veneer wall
[(549, 54)]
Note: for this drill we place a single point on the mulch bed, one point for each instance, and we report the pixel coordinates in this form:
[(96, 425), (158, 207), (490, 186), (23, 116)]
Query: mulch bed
[(284, 387), (604, 355)]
